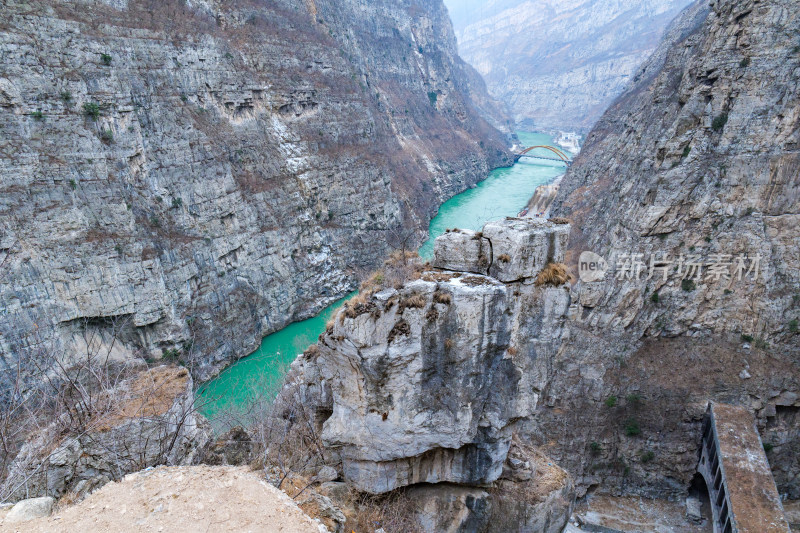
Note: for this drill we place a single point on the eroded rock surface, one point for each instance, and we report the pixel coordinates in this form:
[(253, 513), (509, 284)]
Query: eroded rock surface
[(204, 173), (698, 160), (426, 384)]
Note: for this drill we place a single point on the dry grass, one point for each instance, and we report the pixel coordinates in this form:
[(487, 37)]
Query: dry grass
[(448, 344), (397, 270), (560, 220), (512, 350), (416, 301), (554, 274), (504, 258), (400, 329), (149, 395), (441, 297), (432, 314), (393, 512)]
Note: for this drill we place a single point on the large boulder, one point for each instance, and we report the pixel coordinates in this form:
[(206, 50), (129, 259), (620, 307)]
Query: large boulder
[(522, 247), (25, 510), (462, 250), (533, 495)]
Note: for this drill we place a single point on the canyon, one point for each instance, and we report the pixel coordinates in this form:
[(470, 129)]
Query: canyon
[(558, 65), (183, 179), (263, 159)]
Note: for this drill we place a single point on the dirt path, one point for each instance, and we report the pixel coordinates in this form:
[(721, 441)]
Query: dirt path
[(180, 499)]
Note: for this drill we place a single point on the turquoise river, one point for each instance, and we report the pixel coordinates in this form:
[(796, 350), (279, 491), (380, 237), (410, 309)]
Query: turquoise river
[(254, 380)]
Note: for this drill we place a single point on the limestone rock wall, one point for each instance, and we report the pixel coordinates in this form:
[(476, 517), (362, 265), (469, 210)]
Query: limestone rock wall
[(424, 385), (203, 173), (697, 160), (427, 380)]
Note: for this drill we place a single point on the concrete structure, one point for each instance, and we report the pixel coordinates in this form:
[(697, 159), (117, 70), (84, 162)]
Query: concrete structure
[(743, 495)]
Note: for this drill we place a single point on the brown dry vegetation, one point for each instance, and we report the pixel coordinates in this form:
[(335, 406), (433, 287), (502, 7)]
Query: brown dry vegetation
[(559, 220), (441, 297), (504, 258), (554, 274)]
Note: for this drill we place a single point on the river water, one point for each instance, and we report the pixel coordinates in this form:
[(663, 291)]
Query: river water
[(253, 379)]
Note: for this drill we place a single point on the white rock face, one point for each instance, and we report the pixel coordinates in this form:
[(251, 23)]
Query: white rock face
[(463, 250), (29, 509), (426, 383), (522, 247)]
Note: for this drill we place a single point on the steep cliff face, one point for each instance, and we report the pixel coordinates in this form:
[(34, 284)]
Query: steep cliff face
[(195, 175), (696, 168), (559, 64), (424, 385)]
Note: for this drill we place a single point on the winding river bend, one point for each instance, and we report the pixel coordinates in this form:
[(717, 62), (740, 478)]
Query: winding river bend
[(505, 192)]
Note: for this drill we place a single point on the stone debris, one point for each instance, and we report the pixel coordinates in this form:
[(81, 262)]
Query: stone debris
[(25, 510)]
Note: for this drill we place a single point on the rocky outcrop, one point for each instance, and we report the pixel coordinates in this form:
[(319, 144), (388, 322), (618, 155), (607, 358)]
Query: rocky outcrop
[(201, 174), (694, 168), (558, 65), (426, 383), (151, 421)]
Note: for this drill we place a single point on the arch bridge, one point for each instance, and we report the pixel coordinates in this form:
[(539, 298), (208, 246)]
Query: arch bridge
[(560, 156)]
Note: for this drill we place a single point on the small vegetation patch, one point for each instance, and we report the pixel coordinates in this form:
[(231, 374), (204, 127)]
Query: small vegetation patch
[(747, 338), (448, 344), (634, 398), (719, 122), (107, 136), (433, 97), (768, 447), (504, 258), (106, 59), (632, 428), (794, 326), (91, 110), (611, 401), (688, 285), (560, 220), (37, 115), (744, 63), (595, 448), (654, 298), (432, 314), (686, 151), (416, 301), (554, 274), (647, 456), (475, 281), (441, 297), (400, 329)]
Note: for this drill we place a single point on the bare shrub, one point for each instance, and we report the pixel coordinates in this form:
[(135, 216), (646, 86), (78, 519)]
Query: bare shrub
[(394, 512), (554, 274), (560, 220), (415, 301), (441, 297), (504, 258)]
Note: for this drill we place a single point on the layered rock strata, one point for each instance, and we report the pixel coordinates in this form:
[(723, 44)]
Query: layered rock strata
[(426, 383), (694, 168), (204, 173)]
